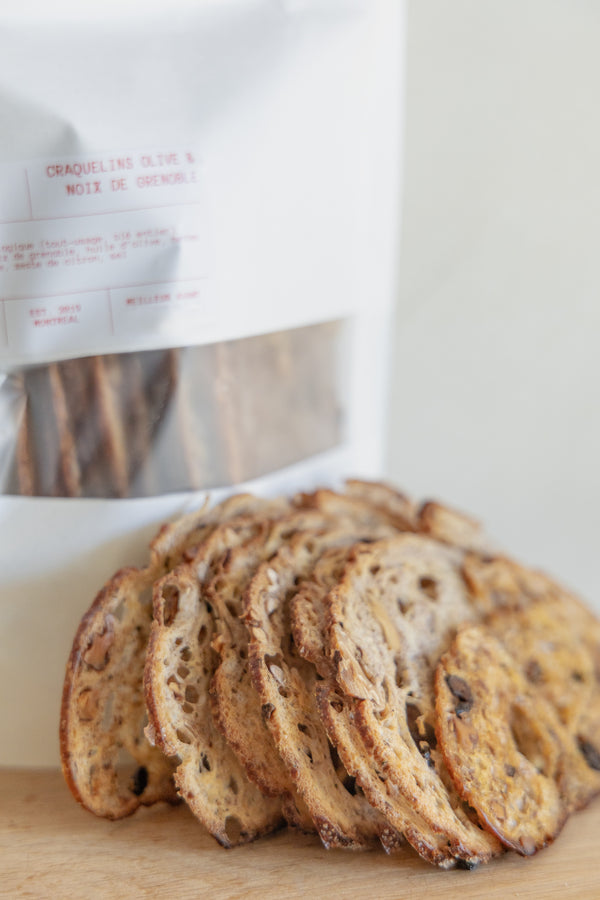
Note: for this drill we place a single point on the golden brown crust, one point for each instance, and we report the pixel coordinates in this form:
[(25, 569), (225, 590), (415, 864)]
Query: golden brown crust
[(337, 712), (103, 713), (92, 748), (69, 464), (552, 644), (112, 433), (391, 615), (235, 703), (26, 473), (452, 527), (286, 686), (502, 744), (179, 669)]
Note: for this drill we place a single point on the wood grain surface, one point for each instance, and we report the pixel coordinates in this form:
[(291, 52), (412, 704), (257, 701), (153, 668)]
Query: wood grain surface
[(52, 848)]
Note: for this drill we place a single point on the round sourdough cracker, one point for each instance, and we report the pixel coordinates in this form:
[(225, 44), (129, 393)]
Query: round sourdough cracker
[(498, 582), (234, 702), (555, 641), (555, 644), (180, 666), (451, 527), (107, 762), (394, 611), (501, 743), (286, 686), (337, 714), (308, 611)]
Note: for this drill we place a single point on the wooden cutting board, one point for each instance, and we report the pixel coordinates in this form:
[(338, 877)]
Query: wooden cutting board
[(51, 848)]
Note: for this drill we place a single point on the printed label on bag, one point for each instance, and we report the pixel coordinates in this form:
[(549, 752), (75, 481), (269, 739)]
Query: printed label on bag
[(97, 251)]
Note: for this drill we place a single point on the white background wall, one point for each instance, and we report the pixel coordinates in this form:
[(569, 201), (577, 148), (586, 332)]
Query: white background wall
[(496, 365)]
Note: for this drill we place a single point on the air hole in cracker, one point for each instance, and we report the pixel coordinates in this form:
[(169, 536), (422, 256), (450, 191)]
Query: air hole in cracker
[(185, 654), (233, 786), (191, 694), (349, 783), (527, 738), (183, 736), (87, 705), (139, 781), (170, 595)]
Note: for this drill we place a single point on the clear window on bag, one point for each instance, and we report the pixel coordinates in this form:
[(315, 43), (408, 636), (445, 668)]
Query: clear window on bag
[(152, 422)]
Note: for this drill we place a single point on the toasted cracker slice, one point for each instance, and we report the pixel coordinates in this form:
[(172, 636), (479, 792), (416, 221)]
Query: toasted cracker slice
[(308, 625), (498, 582), (26, 475), (383, 500), (235, 704), (75, 382), (393, 612), (102, 712), (500, 741), (555, 641), (337, 714), (379, 503), (208, 774), (179, 669), (69, 463), (553, 645), (441, 522), (452, 527), (286, 685), (112, 443), (39, 444), (308, 614)]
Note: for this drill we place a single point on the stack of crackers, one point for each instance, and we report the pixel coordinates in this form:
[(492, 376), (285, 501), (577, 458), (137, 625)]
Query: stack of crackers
[(353, 664)]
